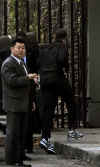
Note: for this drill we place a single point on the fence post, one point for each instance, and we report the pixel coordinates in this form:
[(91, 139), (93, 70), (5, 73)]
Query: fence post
[(1, 16)]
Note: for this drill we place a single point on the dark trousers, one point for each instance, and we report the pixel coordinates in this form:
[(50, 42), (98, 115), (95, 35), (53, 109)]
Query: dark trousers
[(29, 137), (48, 99), (15, 136)]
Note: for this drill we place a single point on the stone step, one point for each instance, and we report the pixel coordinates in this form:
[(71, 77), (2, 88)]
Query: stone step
[(85, 149)]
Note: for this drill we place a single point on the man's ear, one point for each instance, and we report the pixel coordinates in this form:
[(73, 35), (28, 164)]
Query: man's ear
[(11, 49)]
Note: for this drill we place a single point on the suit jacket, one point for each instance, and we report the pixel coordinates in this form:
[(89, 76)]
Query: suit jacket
[(15, 86)]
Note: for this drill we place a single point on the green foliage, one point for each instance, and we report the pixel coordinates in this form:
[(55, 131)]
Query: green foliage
[(11, 17), (22, 17)]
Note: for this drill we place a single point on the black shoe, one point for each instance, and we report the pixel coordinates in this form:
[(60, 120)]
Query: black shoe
[(26, 158), (10, 163), (18, 164), (15, 163), (22, 165), (29, 151)]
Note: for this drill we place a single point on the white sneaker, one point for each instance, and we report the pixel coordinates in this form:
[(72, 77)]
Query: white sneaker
[(74, 134), (71, 134), (43, 143), (51, 149), (78, 134)]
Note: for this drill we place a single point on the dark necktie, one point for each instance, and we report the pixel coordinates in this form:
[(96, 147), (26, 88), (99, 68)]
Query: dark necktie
[(22, 61), (23, 65)]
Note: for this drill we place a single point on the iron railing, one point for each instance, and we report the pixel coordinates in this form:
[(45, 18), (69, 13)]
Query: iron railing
[(45, 17)]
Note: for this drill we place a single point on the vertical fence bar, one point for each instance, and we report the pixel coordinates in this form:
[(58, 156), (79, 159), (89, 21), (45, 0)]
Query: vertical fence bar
[(72, 46), (16, 16), (27, 15), (74, 64), (77, 59), (5, 17), (61, 25), (60, 14), (84, 58), (79, 80), (50, 22), (39, 16)]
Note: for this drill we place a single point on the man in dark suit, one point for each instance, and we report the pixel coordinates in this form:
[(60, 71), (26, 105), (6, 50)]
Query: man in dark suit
[(16, 88), (30, 60)]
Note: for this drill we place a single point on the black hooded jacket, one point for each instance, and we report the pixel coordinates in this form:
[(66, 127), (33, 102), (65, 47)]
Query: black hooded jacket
[(53, 59)]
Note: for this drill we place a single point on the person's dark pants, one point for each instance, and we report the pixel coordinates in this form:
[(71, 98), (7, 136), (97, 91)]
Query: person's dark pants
[(29, 137), (15, 136), (48, 99)]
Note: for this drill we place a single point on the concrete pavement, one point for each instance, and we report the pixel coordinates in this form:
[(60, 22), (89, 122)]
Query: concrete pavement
[(86, 149)]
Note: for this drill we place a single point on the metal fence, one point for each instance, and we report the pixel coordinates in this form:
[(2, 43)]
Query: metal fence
[(43, 17)]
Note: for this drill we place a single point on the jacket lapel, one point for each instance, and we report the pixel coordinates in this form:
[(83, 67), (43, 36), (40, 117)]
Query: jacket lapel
[(18, 66)]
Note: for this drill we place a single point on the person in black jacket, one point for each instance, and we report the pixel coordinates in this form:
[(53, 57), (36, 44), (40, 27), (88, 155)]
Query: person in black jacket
[(4, 53), (53, 83)]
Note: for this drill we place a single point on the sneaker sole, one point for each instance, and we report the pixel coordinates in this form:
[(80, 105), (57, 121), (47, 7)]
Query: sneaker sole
[(51, 152)]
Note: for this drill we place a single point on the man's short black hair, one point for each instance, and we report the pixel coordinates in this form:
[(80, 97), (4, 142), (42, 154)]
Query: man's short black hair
[(61, 33), (19, 40)]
